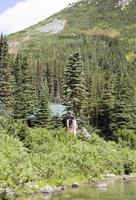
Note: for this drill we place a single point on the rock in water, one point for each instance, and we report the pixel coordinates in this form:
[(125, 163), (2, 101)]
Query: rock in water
[(50, 190), (63, 188), (75, 185)]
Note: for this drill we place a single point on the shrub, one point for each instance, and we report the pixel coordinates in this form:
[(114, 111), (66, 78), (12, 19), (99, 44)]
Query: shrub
[(58, 157), (126, 137), (14, 128), (15, 166)]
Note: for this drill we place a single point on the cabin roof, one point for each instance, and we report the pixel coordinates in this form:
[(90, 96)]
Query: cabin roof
[(57, 109)]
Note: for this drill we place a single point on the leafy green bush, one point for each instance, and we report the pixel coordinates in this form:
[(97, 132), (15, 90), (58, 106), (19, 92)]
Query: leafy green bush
[(14, 128), (128, 160), (15, 165), (58, 157), (126, 137)]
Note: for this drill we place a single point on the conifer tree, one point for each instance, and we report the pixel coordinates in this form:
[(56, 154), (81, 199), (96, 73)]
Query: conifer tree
[(56, 122), (124, 115), (75, 89), (25, 92), (50, 81), (43, 117), (106, 104), (6, 79)]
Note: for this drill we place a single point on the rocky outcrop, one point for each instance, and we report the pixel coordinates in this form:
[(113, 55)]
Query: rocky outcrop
[(56, 26)]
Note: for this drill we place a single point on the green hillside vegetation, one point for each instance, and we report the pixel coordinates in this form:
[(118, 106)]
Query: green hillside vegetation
[(90, 67), (87, 16)]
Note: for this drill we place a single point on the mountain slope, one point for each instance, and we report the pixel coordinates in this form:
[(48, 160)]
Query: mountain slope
[(115, 18)]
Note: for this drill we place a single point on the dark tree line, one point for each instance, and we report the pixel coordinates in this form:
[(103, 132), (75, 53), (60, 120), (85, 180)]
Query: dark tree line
[(98, 84), (21, 95)]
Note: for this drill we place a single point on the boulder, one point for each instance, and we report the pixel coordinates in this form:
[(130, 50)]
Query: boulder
[(63, 188), (50, 190), (75, 185)]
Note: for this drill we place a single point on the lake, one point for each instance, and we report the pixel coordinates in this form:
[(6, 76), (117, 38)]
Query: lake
[(116, 190)]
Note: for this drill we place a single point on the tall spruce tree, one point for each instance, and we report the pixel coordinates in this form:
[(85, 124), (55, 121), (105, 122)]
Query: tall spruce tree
[(25, 92), (74, 88), (124, 115), (6, 79), (106, 103), (43, 117)]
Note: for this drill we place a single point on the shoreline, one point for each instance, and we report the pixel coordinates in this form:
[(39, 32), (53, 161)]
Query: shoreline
[(101, 183)]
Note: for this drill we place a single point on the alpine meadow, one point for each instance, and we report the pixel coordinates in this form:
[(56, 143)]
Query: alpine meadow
[(83, 60)]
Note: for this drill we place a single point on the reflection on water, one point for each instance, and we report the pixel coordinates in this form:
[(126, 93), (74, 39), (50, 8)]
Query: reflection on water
[(116, 190)]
